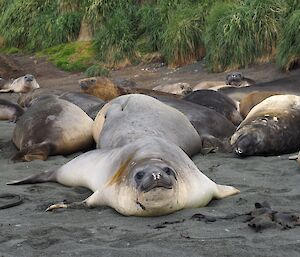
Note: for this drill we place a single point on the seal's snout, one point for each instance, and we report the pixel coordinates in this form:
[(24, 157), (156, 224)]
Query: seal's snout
[(147, 180), (28, 78), (83, 85)]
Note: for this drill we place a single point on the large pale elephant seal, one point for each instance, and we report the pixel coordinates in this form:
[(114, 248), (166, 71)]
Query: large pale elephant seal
[(23, 84), (130, 117), (51, 126), (10, 111), (217, 101), (252, 99), (147, 177), (270, 128), (108, 89)]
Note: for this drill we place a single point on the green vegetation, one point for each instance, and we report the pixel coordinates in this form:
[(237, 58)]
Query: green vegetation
[(97, 70), (228, 34), (289, 47), (76, 56)]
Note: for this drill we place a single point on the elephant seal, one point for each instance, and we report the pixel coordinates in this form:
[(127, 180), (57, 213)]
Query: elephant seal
[(90, 104), (177, 88), (237, 79), (286, 85), (148, 177), (217, 101), (130, 117), (270, 128), (252, 99), (107, 89), (213, 128), (23, 84), (10, 111), (51, 126)]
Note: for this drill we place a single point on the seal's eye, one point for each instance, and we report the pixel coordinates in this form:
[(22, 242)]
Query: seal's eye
[(139, 175), (93, 80)]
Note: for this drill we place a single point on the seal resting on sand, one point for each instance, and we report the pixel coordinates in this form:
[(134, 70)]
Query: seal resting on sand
[(217, 101), (270, 128), (237, 79), (130, 117), (10, 111), (21, 85), (252, 99), (176, 88), (147, 177), (107, 89), (51, 126)]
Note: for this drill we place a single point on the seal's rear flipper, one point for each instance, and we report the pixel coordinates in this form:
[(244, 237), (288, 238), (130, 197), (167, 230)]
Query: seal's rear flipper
[(46, 176), (35, 152), (225, 191)]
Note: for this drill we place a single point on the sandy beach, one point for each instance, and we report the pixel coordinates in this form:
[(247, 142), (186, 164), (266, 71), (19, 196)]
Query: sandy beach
[(27, 230)]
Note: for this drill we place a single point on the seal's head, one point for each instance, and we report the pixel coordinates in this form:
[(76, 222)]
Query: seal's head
[(234, 79), (149, 188), (101, 87), (248, 141)]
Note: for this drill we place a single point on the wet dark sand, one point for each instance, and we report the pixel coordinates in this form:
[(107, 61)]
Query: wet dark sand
[(27, 230)]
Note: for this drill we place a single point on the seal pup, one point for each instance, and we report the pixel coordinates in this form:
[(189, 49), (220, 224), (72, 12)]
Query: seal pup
[(217, 101), (22, 84), (130, 117), (10, 111), (176, 88), (51, 126), (252, 99), (270, 128), (148, 177), (237, 79), (107, 89)]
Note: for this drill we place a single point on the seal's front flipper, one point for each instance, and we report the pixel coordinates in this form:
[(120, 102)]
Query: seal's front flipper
[(34, 152), (75, 205)]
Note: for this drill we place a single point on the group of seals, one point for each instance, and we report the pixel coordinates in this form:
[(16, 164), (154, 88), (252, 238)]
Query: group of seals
[(22, 84), (142, 167)]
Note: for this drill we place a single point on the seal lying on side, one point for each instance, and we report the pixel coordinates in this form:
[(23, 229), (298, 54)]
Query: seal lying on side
[(130, 117), (107, 89), (217, 101), (213, 128), (147, 177), (252, 99), (51, 126), (176, 88), (270, 128), (10, 111), (21, 85)]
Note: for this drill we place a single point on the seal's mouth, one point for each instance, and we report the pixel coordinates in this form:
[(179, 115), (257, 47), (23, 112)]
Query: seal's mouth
[(146, 187)]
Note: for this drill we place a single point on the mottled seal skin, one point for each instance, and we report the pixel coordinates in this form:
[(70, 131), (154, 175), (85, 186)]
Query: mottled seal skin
[(270, 128), (107, 89), (10, 111), (130, 117), (51, 126), (237, 79), (287, 85), (216, 101), (214, 129), (252, 99), (148, 177), (22, 84)]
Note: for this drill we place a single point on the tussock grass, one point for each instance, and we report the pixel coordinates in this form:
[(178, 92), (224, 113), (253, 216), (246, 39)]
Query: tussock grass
[(97, 70), (241, 34)]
